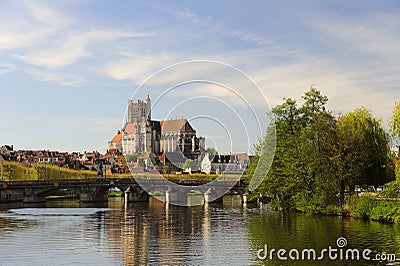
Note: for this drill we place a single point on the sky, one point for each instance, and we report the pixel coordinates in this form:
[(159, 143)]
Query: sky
[(68, 68)]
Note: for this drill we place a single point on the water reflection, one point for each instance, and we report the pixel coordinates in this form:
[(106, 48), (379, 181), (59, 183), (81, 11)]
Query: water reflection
[(158, 233), (155, 233), (297, 231)]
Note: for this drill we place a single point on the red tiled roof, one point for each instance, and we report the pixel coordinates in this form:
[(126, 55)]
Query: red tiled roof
[(117, 138)]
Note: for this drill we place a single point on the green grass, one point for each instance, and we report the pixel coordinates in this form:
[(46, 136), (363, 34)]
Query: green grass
[(115, 193), (156, 193)]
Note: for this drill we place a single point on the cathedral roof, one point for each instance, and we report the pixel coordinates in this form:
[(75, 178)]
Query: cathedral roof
[(130, 128), (176, 125)]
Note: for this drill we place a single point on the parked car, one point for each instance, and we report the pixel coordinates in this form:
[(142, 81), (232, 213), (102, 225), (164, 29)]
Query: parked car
[(380, 188), (371, 189), (358, 189)]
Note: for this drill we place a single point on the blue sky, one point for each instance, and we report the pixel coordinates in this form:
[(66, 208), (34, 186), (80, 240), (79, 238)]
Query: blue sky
[(67, 68)]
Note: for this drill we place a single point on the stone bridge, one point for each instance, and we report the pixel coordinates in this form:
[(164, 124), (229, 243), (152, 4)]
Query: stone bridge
[(93, 190)]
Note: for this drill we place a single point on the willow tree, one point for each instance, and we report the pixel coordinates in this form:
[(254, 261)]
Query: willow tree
[(395, 120), (363, 149), (394, 124)]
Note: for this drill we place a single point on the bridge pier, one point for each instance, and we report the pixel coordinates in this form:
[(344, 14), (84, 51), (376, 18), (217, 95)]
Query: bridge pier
[(244, 197), (136, 194), (32, 195), (212, 196), (93, 194), (10, 195), (176, 197)]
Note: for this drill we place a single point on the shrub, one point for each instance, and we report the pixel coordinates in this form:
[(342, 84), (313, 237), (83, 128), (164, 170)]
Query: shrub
[(363, 207), (392, 190), (14, 171)]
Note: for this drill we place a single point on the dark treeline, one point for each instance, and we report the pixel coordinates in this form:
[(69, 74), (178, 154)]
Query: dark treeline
[(320, 156)]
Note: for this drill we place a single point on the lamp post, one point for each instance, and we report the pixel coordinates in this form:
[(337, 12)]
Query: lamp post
[(105, 170), (1, 162)]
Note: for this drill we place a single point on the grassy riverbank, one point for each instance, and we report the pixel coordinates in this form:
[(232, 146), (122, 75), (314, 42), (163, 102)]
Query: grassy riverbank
[(14, 171), (383, 210), (381, 206)]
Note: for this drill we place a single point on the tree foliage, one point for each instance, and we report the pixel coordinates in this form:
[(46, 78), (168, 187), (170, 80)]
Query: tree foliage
[(212, 151), (363, 148), (394, 122), (319, 156), (131, 157), (188, 164)]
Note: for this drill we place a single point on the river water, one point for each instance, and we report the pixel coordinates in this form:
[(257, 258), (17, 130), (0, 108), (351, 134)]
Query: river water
[(225, 233)]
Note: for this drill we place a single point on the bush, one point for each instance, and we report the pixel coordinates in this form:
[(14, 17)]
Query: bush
[(392, 190), (314, 205), (14, 171), (375, 209), (363, 207), (53, 172), (386, 211)]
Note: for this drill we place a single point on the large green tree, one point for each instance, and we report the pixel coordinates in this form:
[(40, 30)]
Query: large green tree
[(318, 156), (363, 148), (302, 169)]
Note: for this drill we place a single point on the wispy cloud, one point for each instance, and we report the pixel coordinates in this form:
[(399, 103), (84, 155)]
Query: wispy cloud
[(43, 41), (7, 68), (137, 67), (222, 28), (376, 35), (27, 23), (56, 77), (67, 50)]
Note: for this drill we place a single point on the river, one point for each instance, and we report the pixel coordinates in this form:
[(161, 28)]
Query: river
[(225, 233)]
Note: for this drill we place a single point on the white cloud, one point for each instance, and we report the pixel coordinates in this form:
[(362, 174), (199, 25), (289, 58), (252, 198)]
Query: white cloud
[(345, 89), (222, 28), (42, 36), (46, 15), (7, 68), (57, 77), (375, 35), (188, 14), (136, 67), (69, 49), (28, 23)]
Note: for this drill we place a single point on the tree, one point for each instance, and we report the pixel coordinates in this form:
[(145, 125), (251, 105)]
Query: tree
[(166, 169), (394, 122), (131, 158), (363, 148), (212, 151), (188, 164), (317, 155)]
